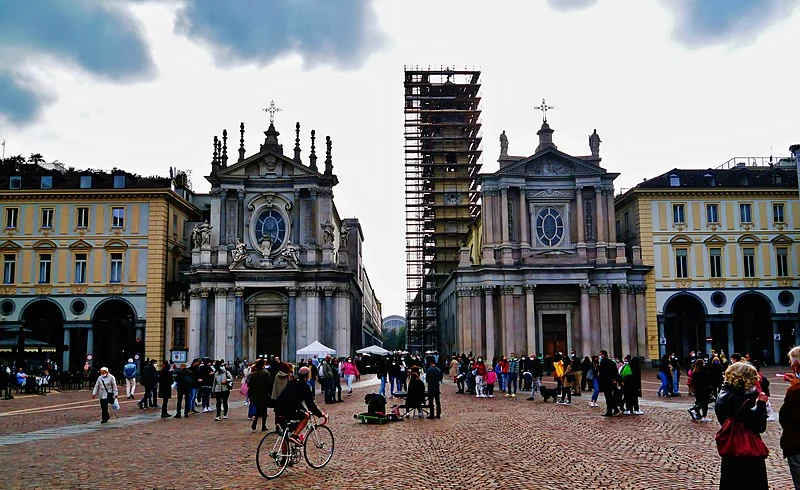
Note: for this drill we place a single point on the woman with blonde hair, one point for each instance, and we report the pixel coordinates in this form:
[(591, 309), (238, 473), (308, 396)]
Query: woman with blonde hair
[(739, 399)]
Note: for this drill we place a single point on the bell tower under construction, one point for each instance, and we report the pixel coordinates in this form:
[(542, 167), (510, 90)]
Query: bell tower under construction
[(442, 161)]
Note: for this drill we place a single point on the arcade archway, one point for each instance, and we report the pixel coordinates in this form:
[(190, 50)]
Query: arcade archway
[(684, 326), (44, 323), (752, 327), (114, 334)]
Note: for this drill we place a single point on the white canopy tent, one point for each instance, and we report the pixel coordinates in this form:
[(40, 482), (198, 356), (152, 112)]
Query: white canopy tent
[(375, 350), (315, 348)]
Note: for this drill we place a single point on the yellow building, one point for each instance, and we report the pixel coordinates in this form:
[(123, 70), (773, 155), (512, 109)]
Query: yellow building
[(88, 257), (724, 246)]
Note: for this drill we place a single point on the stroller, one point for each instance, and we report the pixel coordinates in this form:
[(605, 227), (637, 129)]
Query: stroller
[(376, 410)]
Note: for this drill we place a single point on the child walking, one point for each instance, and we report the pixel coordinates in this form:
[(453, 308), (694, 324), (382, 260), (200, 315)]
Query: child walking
[(491, 379)]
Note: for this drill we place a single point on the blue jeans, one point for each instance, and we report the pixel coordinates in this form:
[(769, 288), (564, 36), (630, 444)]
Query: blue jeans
[(664, 390), (511, 382), (595, 389), (192, 397), (313, 385), (676, 381), (501, 378), (382, 391), (391, 385)]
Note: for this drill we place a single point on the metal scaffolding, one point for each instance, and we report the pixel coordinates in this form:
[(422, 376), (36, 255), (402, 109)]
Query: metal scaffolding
[(442, 161)]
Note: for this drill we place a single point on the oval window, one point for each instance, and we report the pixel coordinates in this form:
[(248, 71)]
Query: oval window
[(549, 227)]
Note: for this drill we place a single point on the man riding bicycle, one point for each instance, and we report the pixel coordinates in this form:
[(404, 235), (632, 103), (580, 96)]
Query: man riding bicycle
[(289, 405)]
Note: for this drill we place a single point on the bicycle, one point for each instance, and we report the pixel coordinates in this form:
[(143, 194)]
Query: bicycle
[(276, 452)]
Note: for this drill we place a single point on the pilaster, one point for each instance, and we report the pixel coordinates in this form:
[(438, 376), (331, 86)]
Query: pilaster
[(586, 322), (488, 292), (606, 337), (220, 317), (530, 319), (194, 324), (238, 330), (625, 333)]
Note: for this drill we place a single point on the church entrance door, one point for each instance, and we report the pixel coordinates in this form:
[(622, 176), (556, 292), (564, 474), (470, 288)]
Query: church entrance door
[(554, 334), (268, 336)]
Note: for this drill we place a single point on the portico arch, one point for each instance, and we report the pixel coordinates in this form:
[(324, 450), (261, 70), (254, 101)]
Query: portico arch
[(752, 326), (266, 314), (684, 326)]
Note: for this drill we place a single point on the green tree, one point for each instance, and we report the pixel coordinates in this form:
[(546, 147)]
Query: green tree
[(36, 158), (402, 339)]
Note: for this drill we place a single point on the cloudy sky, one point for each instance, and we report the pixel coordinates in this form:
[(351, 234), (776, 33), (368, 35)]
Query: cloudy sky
[(144, 85)]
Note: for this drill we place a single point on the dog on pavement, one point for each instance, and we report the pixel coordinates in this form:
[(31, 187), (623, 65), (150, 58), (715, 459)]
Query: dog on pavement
[(548, 393)]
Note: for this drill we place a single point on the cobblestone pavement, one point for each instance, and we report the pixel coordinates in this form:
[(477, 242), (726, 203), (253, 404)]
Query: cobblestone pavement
[(478, 443)]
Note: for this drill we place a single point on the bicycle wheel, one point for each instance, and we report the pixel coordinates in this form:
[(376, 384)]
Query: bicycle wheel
[(318, 446), (272, 455)]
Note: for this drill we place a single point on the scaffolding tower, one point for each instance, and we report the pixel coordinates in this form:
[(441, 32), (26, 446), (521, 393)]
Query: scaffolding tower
[(442, 161)]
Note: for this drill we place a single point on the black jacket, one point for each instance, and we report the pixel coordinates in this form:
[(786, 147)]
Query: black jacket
[(729, 402), (260, 388), (185, 379), (149, 375), (416, 394), (607, 373), (293, 397), (536, 368), (165, 383)]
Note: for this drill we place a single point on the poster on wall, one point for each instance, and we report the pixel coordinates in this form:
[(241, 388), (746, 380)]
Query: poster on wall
[(178, 356)]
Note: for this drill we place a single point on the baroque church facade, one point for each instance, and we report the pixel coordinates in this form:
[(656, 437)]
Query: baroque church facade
[(541, 270), (275, 267)]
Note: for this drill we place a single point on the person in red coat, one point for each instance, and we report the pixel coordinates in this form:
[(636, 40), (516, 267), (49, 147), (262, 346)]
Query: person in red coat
[(789, 418)]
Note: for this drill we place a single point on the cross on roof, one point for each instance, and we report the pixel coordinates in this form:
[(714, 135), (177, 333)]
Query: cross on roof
[(272, 109), (544, 108)]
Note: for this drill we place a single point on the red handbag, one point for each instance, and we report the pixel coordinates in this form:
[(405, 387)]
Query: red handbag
[(735, 440)]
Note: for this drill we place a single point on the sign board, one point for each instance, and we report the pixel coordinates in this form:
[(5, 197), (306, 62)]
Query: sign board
[(662, 341), (89, 357), (776, 336), (178, 356)]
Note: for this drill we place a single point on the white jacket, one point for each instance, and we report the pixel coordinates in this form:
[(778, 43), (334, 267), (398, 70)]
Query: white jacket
[(110, 385)]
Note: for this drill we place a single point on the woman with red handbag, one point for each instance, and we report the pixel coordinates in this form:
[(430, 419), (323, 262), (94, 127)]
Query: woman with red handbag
[(742, 411)]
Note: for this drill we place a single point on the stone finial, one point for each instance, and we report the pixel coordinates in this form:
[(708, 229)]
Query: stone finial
[(241, 142), (215, 157), (271, 139), (328, 160), (297, 142), (545, 138), (224, 148), (313, 157)]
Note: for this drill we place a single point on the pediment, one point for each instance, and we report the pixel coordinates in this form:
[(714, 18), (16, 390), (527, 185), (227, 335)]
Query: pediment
[(680, 240), (749, 239), (551, 163), (782, 240), (9, 245), (715, 240), (115, 243), (80, 244), (267, 163), (44, 244)]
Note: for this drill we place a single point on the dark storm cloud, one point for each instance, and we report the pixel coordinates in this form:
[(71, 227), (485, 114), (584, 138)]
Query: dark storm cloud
[(339, 32), (570, 4), (18, 102), (709, 22), (94, 35)]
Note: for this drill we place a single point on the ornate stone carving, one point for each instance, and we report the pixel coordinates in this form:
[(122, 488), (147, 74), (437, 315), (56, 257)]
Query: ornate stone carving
[(344, 236), (487, 290), (506, 290), (550, 194), (624, 288), (204, 292), (292, 291), (201, 235), (463, 291), (238, 291), (750, 283), (530, 287), (553, 306), (194, 293), (232, 212), (683, 283), (241, 193), (110, 289), (43, 289), (548, 168), (327, 229), (588, 220), (584, 287), (328, 290), (503, 143), (604, 288)]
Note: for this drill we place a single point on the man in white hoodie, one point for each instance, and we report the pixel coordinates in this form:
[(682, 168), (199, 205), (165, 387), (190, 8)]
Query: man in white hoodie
[(106, 387)]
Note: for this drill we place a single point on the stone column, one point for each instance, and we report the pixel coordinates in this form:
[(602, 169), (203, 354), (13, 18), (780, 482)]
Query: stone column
[(476, 318), (579, 214), (776, 343), (220, 315), (313, 327), (488, 228), (296, 218), (504, 214), (291, 328), (600, 219), (90, 341), (204, 341), (488, 292), (327, 319), (238, 329), (612, 219), (65, 354), (625, 333), (194, 324), (240, 213), (586, 322), (730, 340), (662, 349), (216, 214), (606, 338), (641, 321), (524, 236), (530, 319), (507, 341), (708, 336)]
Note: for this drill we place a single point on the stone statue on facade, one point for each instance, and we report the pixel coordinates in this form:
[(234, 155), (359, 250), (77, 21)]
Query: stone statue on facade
[(344, 236), (239, 252), (201, 235), (327, 228), (503, 143), (266, 245), (594, 143), (291, 254)]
